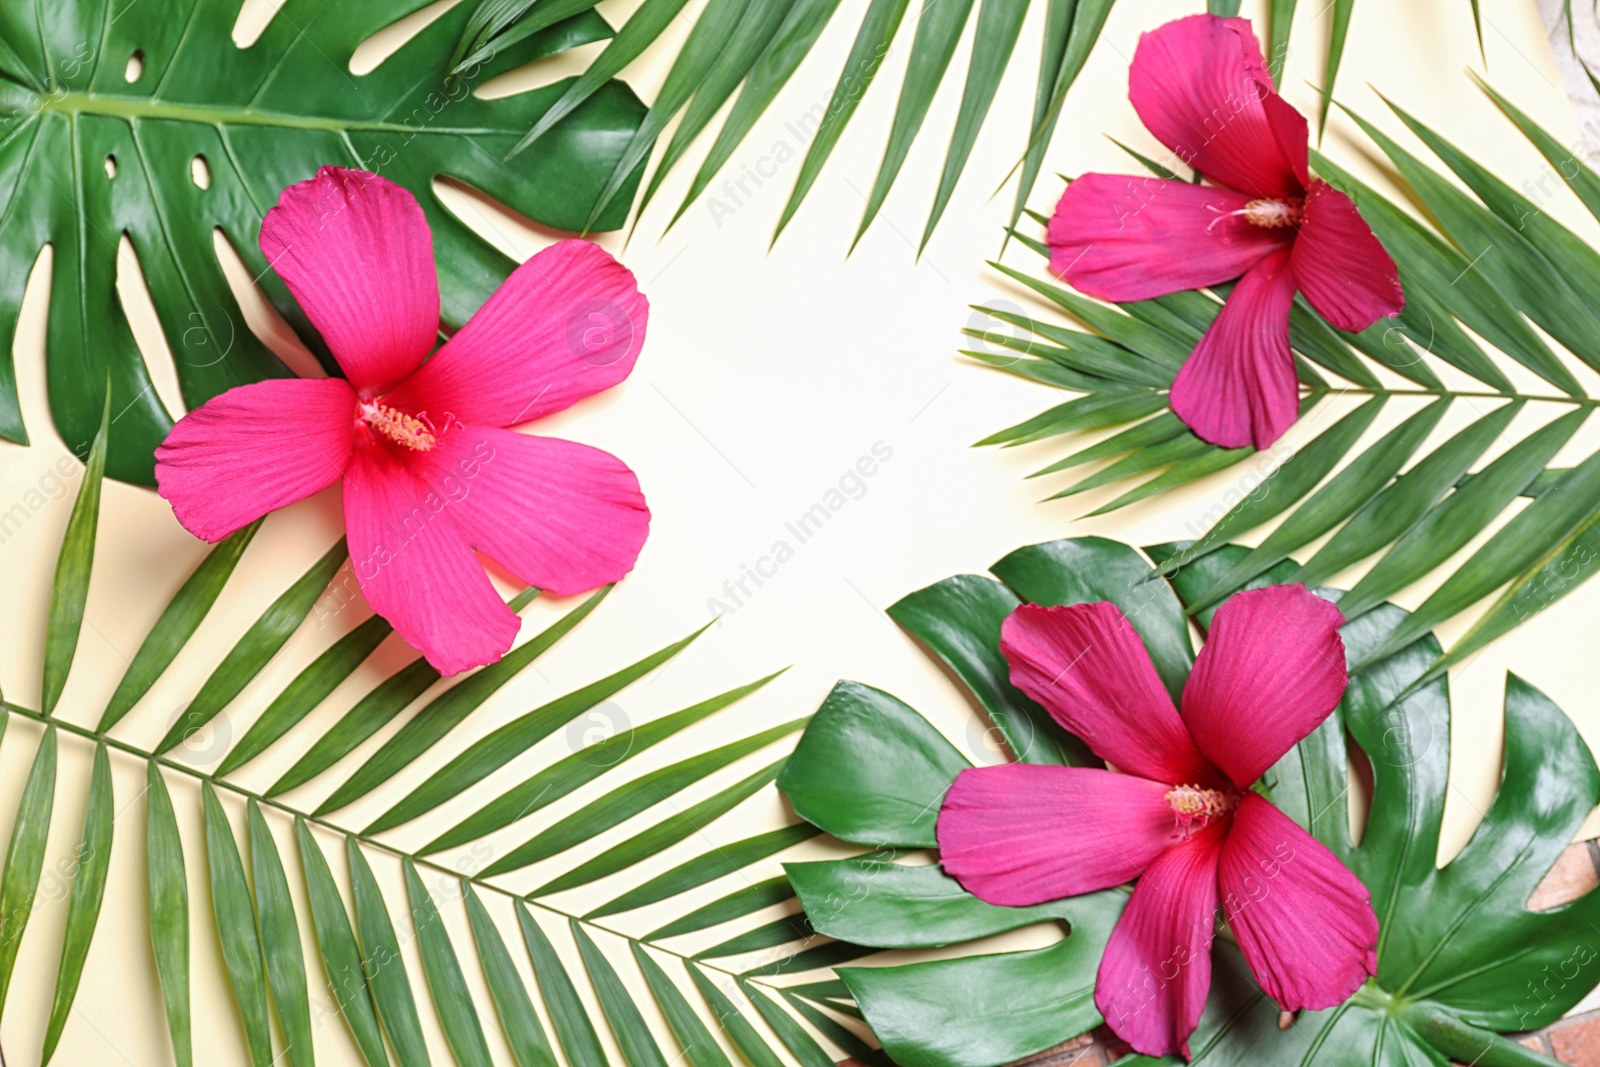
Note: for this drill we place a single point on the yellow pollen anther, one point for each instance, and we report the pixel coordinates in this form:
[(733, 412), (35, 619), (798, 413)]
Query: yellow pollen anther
[(1193, 804), (1274, 214), (397, 426)]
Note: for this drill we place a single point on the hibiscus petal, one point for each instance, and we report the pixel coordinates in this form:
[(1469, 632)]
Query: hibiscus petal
[(568, 323), (253, 450), (1124, 238), (1198, 84), (1026, 833), (1273, 667), (1340, 264), (1087, 666), (1239, 386), (417, 569), (559, 515), (1157, 967), (356, 252), (1304, 921), (1291, 133)]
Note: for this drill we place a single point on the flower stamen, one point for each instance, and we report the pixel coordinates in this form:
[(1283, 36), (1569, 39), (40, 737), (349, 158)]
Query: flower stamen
[(400, 428), (1267, 213), (1194, 805)]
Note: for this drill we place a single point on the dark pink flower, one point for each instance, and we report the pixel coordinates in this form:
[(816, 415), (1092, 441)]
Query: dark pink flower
[(431, 472), (1200, 86), (1177, 813)]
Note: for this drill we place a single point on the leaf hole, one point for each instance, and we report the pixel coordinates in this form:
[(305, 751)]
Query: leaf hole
[(260, 316), (200, 171), (145, 324), (135, 67), (371, 53), (111, 166)]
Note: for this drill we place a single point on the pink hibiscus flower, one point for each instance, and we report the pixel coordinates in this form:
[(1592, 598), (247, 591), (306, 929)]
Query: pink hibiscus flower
[(1177, 813), (1200, 86), (431, 473)]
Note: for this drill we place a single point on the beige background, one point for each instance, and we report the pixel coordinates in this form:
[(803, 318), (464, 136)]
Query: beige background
[(764, 378)]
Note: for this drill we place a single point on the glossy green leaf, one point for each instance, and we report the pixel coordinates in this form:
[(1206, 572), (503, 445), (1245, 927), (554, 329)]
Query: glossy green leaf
[(1081, 570), (236, 928), (341, 954), (633, 797), (446, 711), (715, 863), (383, 965), (19, 878), (1338, 31), (873, 900), (699, 1047), (179, 621), (871, 770), (959, 620), (280, 941), (309, 688), (499, 747), (256, 648), (446, 985), (262, 118), (664, 834), (580, 768), (92, 864), (639, 1048), (991, 1009), (519, 1023), (69, 589), (169, 913), (570, 1018)]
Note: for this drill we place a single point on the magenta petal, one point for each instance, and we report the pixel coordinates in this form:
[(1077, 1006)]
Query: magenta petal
[(1291, 133), (417, 569), (568, 323), (559, 515), (1341, 266), (1272, 669), (253, 450), (1025, 833), (1239, 386), (1087, 666), (1123, 238), (1304, 922), (356, 252), (1198, 84), (1156, 971)]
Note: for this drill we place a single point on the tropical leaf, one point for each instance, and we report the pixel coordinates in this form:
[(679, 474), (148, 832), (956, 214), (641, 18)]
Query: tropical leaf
[(148, 122), (1482, 260), (1453, 941), (754, 46), (253, 919)]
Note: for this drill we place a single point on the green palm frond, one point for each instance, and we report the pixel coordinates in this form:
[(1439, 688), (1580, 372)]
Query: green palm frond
[(1484, 262), (754, 46), (261, 852)]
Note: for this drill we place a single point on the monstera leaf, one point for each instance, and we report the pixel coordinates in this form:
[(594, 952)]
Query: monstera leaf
[(1489, 265), (146, 121), (279, 863), (1460, 958)]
